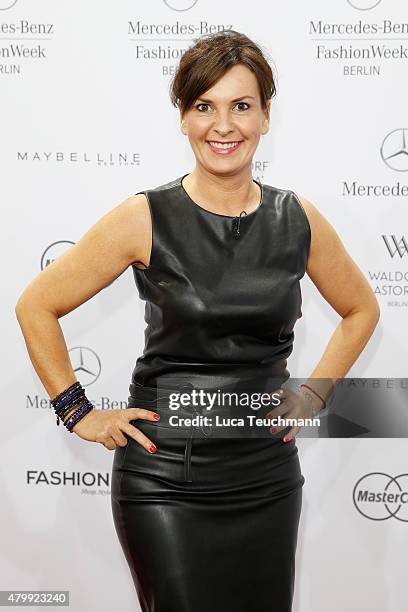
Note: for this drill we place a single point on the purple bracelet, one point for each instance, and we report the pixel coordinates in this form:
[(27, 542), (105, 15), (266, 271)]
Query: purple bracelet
[(78, 415), (72, 400), (57, 397), (66, 399)]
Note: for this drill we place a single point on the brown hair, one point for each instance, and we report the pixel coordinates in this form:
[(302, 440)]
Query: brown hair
[(203, 64)]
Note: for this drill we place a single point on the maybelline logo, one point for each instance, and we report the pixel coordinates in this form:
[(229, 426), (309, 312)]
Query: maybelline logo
[(63, 478), (74, 157), (379, 496)]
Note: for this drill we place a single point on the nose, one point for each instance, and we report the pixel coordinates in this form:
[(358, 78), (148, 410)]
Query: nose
[(223, 123)]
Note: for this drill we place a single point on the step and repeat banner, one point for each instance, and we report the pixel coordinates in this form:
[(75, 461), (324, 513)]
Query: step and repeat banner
[(86, 121)]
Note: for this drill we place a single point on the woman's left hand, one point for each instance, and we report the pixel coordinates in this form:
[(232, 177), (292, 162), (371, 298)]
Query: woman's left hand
[(293, 405)]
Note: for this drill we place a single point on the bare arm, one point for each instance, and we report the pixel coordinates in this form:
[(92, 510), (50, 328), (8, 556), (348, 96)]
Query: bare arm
[(121, 237), (343, 285)]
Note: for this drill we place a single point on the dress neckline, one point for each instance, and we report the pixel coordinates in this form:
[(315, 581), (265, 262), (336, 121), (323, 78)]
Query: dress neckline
[(189, 199)]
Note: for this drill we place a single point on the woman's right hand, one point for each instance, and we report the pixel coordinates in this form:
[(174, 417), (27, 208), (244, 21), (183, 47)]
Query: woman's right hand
[(107, 427)]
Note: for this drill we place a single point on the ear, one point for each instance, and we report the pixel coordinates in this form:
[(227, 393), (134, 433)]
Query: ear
[(183, 124), (265, 124)]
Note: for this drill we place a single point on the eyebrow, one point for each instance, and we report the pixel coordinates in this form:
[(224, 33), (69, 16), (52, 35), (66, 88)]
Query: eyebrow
[(236, 99)]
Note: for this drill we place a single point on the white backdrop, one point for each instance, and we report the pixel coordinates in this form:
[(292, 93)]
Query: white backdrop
[(86, 121)]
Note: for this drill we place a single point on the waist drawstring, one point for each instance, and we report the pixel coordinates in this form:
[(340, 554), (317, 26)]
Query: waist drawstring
[(187, 457), (187, 448), (206, 431)]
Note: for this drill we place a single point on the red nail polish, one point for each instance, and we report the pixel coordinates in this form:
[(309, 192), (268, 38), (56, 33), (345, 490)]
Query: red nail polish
[(286, 439), (156, 417), (152, 448), (274, 430)]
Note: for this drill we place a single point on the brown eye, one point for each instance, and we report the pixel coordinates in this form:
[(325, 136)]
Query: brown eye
[(201, 104), (246, 104)]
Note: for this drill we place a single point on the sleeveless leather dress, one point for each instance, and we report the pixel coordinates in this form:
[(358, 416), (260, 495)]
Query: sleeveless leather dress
[(211, 522)]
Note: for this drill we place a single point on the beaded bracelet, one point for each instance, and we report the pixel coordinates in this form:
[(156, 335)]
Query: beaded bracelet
[(67, 402), (73, 400), (74, 385), (69, 398), (72, 407), (66, 397), (78, 415)]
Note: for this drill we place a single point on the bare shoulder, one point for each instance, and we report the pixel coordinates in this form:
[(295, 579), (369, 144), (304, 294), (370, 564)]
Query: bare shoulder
[(134, 209), (137, 202), (312, 212), (323, 234)]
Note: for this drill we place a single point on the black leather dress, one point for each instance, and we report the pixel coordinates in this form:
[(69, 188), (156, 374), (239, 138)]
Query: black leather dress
[(210, 522)]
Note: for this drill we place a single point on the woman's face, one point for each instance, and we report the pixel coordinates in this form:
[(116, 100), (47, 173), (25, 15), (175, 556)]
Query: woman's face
[(230, 112)]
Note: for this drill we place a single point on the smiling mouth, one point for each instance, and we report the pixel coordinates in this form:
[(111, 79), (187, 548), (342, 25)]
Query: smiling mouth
[(223, 148)]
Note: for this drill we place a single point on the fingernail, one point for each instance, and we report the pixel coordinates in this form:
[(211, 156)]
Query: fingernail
[(152, 448), (274, 430), (286, 439), (156, 417)]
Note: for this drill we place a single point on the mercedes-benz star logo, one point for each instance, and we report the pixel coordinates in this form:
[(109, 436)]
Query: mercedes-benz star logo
[(86, 364), (394, 150)]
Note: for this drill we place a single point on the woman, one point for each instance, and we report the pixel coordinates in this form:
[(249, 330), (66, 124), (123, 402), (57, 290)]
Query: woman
[(206, 522)]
